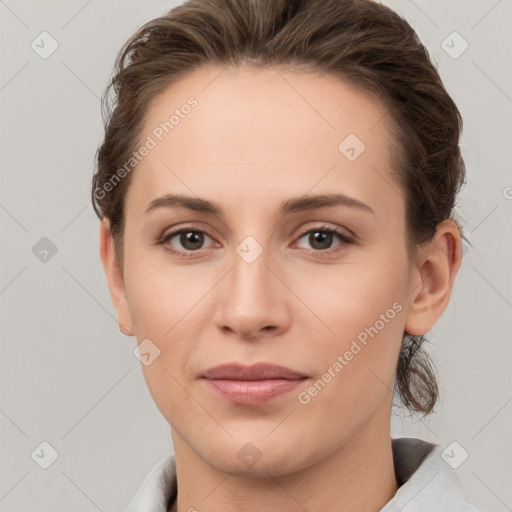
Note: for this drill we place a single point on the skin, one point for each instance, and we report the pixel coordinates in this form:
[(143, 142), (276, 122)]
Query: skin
[(256, 138)]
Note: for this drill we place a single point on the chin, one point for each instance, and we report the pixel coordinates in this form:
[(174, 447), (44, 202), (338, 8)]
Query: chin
[(257, 455)]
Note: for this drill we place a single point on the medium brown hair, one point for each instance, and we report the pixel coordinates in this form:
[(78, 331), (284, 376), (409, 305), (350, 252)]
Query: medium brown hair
[(361, 41)]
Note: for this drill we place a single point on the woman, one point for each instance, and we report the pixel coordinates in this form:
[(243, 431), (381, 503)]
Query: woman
[(276, 190)]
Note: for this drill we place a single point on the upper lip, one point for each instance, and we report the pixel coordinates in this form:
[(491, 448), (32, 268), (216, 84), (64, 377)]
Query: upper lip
[(258, 371)]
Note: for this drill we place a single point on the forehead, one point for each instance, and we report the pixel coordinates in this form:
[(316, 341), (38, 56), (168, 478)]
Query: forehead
[(254, 129)]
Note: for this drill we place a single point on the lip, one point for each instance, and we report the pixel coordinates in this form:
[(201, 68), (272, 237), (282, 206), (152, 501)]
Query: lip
[(258, 371), (256, 384)]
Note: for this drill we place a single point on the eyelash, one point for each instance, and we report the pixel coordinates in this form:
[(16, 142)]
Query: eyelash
[(323, 229)]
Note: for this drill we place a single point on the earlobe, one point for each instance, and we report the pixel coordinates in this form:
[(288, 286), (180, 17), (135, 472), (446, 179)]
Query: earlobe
[(115, 279), (438, 263)]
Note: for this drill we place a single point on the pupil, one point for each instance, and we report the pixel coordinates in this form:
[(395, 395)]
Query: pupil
[(191, 240), (324, 238)]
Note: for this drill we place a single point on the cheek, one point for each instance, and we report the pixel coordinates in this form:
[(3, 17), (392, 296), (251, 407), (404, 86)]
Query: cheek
[(352, 296), (169, 306), (364, 307), (160, 294)]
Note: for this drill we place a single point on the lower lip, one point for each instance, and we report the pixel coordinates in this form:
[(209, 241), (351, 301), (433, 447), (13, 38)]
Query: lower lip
[(252, 392)]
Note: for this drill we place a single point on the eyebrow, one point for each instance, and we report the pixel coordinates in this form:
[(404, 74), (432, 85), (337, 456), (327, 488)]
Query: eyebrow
[(293, 205)]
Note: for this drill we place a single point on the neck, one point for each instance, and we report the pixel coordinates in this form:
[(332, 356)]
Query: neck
[(358, 476)]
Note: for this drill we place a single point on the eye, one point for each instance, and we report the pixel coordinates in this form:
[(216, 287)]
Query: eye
[(321, 239), (191, 240)]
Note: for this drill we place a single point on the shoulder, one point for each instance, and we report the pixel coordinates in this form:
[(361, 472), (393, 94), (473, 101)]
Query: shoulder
[(426, 481), (158, 488)]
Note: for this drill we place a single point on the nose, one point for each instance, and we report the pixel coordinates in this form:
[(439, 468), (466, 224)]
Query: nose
[(253, 303)]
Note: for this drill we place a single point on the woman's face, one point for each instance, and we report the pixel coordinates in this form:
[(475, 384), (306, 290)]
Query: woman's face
[(260, 277)]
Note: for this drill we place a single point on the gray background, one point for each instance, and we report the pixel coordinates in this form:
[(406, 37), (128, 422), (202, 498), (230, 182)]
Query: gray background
[(69, 377)]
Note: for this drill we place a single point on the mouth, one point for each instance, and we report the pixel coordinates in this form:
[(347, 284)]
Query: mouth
[(251, 385)]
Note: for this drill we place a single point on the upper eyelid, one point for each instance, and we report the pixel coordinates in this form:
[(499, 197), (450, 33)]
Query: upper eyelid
[(321, 226), (325, 227), (179, 229)]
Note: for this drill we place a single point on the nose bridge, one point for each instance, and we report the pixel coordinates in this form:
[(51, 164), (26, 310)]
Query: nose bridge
[(251, 299), (250, 277)]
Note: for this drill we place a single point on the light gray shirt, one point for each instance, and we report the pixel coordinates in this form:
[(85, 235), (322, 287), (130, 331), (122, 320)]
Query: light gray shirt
[(426, 482)]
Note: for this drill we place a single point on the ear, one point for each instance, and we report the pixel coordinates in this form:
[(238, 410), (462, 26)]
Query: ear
[(114, 273), (431, 287)]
